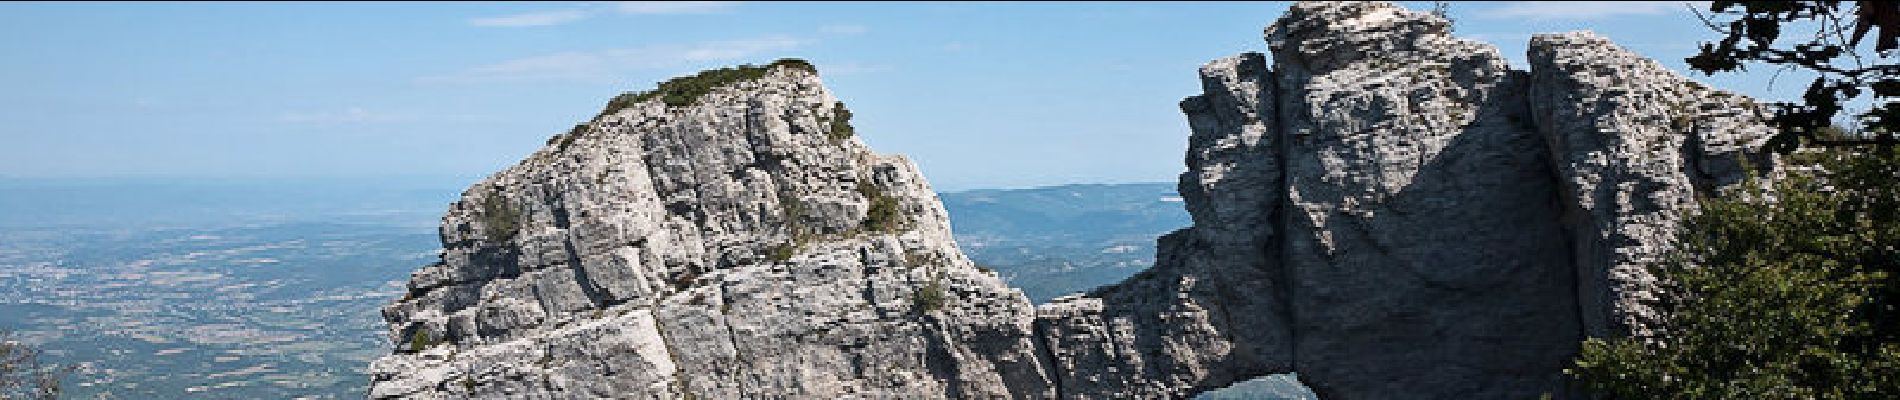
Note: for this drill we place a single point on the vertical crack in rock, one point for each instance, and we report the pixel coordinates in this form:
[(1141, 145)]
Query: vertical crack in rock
[(1422, 248), (1182, 327), (1387, 210), (1631, 142), (732, 336), (1047, 359), (1283, 290), (677, 213), (1422, 220)]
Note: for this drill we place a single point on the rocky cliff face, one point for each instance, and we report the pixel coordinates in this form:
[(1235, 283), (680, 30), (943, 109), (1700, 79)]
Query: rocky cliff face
[(731, 248), (1388, 210)]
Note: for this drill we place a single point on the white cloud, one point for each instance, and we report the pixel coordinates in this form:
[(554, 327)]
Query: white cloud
[(611, 64), (562, 16), (674, 7), (538, 18), (843, 29), (1586, 9)]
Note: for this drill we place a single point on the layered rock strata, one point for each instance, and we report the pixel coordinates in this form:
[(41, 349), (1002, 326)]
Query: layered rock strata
[(1388, 210), (731, 248)]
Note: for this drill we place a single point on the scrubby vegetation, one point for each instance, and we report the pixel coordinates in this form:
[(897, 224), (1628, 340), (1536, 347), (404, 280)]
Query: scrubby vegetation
[(916, 258), (561, 141), (500, 221), (883, 215), (793, 211), (782, 252), (841, 123), (1789, 297), (421, 340), (684, 91), (930, 297)]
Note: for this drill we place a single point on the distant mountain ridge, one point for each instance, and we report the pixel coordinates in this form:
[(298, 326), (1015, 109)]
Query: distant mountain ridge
[(196, 202), (1081, 210), (1056, 240)]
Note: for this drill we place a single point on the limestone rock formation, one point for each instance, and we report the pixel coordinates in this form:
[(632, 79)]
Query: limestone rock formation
[(1412, 179), (1635, 146), (1388, 210), (730, 248), (1212, 310)]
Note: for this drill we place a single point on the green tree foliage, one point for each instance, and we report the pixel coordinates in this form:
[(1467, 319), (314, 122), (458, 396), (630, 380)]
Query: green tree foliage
[(930, 297), (1783, 294), (421, 340), (23, 375), (884, 214), (500, 220), (841, 123), (1753, 32), (684, 91)]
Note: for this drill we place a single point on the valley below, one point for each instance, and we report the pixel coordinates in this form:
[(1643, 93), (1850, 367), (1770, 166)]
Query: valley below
[(267, 298)]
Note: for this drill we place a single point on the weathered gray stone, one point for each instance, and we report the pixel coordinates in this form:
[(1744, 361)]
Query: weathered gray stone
[(1423, 245), (1418, 230), (641, 264), (1387, 210), (1634, 146), (1210, 312)]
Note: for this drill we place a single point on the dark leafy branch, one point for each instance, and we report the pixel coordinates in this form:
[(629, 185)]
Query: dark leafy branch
[(1751, 30)]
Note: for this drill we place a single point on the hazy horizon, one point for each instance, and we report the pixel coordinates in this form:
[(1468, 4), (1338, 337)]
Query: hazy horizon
[(1044, 94)]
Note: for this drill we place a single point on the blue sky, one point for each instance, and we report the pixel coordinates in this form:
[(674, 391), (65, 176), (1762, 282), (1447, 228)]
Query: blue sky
[(981, 95)]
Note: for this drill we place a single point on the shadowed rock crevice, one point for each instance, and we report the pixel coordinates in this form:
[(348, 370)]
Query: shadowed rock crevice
[(1633, 145), (674, 213), (1380, 207), (1403, 210)]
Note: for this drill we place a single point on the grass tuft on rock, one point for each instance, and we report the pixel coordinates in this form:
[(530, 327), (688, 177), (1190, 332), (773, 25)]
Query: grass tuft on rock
[(686, 90)]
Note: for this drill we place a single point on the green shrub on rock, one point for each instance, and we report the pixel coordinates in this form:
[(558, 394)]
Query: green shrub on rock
[(930, 297), (561, 141), (421, 340), (686, 90), (884, 214), (500, 221), (781, 252), (841, 123), (1789, 295)]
